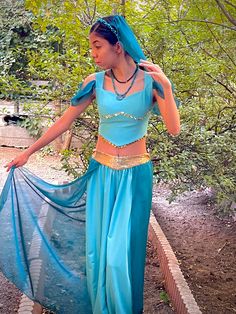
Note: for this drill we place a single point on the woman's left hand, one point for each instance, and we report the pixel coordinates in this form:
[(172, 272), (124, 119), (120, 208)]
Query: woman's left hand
[(156, 72)]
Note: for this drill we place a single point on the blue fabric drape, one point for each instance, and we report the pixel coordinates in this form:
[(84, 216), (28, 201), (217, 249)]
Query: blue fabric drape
[(117, 246), (83, 93), (42, 239), (78, 247)]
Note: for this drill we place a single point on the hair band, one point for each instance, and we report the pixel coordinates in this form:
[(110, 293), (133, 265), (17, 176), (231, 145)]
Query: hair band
[(104, 22)]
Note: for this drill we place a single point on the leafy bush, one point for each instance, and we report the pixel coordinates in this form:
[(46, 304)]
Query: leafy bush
[(193, 42)]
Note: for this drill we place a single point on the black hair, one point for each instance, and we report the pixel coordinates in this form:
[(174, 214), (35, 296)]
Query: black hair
[(102, 30)]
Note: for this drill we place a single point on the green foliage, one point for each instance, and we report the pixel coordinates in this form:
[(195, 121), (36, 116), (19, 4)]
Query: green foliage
[(164, 297), (34, 122), (33, 126), (71, 163), (195, 45), (17, 37), (193, 42)]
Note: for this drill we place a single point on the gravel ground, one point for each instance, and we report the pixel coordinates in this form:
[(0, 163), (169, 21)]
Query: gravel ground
[(48, 168)]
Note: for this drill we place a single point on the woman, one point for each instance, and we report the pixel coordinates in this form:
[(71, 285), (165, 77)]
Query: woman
[(117, 185)]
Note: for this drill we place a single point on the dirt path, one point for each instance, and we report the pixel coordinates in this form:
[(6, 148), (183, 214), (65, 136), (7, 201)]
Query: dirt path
[(204, 244), (10, 296)]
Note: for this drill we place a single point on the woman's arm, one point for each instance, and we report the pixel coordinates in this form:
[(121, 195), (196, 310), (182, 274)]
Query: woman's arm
[(167, 106), (59, 127), (168, 110)]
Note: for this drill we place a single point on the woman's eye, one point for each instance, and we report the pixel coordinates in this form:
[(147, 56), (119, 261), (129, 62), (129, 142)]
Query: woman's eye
[(97, 47)]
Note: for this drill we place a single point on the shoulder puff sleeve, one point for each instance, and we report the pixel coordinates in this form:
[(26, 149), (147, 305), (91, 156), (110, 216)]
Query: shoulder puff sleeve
[(157, 86), (83, 93)]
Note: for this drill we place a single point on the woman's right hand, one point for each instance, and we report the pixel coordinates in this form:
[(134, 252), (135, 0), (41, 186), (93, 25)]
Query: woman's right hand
[(19, 161)]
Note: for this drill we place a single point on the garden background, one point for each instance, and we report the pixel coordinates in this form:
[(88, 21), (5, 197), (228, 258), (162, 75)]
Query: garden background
[(192, 41)]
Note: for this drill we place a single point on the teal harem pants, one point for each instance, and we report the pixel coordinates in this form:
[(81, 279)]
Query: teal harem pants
[(80, 247)]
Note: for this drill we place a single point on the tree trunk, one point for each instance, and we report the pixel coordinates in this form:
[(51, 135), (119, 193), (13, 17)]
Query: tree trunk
[(58, 142), (123, 7), (67, 140)]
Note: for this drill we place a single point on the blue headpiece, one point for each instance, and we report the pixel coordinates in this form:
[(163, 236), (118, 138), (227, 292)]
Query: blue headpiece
[(125, 36), (109, 26)]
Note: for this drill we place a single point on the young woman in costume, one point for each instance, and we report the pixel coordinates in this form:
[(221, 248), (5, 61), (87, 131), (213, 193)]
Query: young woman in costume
[(90, 235)]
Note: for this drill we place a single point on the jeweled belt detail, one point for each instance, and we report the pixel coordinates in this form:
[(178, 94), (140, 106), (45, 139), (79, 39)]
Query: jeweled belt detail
[(120, 162), (125, 114)]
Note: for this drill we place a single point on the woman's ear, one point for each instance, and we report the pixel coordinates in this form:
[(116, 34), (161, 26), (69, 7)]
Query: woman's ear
[(119, 47)]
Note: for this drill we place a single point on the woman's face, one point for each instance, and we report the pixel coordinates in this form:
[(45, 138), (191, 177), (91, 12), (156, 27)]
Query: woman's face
[(104, 54)]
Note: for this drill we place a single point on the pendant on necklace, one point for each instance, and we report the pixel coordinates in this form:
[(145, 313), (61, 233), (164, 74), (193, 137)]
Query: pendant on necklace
[(120, 97)]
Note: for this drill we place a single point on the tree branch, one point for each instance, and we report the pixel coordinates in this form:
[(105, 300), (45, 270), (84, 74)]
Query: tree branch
[(94, 10), (226, 13), (212, 56), (230, 3), (233, 28), (222, 84), (151, 9), (180, 15)]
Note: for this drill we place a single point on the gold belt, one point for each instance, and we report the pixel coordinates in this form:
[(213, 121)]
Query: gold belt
[(120, 162)]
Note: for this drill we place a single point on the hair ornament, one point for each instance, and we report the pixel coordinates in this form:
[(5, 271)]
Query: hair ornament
[(104, 22)]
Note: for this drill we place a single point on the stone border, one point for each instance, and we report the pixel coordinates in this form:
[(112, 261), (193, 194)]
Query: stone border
[(28, 306), (175, 284)]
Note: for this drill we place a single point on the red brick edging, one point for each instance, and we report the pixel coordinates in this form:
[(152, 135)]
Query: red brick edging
[(175, 284)]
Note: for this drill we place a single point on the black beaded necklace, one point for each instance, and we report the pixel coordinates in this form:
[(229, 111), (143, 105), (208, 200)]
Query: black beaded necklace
[(123, 82), (122, 96)]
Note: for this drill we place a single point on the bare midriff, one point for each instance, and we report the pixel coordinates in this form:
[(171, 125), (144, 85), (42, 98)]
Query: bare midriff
[(135, 148)]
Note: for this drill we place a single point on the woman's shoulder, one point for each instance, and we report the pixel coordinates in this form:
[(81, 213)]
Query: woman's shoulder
[(92, 77)]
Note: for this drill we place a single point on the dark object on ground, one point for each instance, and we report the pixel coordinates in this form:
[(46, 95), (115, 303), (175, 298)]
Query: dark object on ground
[(14, 119)]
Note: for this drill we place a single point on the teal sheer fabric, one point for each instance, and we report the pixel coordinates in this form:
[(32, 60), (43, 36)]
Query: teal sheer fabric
[(78, 247), (83, 93), (160, 92), (42, 239), (127, 38)]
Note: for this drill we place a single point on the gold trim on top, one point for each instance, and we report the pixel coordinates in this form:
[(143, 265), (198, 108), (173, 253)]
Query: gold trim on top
[(120, 162)]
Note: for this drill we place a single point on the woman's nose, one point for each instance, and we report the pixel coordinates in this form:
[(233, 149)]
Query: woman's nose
[(93, 53)]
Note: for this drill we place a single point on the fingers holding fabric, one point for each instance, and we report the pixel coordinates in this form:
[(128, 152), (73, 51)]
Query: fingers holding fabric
[(150, 66), (17, 162), (156, 72), (9, 165)]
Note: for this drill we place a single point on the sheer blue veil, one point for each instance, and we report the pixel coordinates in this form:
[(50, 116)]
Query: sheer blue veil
[(125, 36)]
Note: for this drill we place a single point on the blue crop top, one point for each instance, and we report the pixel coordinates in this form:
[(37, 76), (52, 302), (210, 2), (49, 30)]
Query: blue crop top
[(122, 121)]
